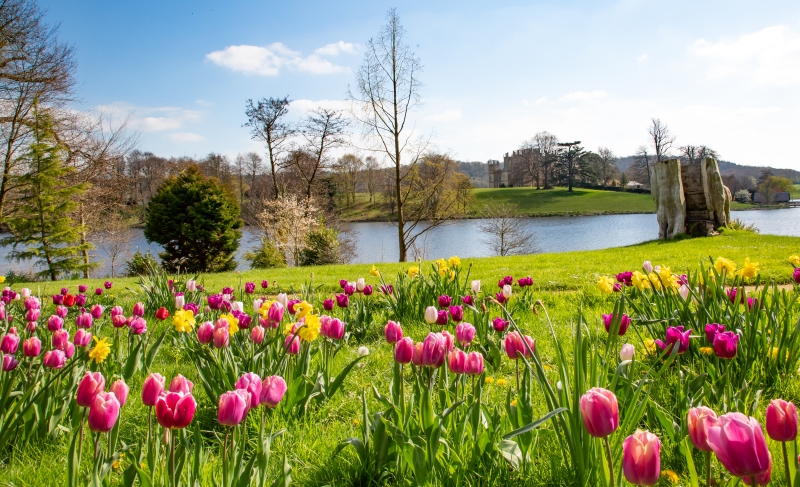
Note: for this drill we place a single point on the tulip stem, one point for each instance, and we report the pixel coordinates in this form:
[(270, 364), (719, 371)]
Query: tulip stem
[(225, 457), (753, 481), (786, 464), (172, 458), (610, 462), (80, 444), (708, 469)]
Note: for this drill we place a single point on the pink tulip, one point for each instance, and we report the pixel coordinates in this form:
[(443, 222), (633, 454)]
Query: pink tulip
[(152, 389), (342, 300), (292, 344), (10, 343), (120, 389), (251, 383), (10, 363), (221, 337), (181, 384), (138, 310), (103, 412), (233, 407), (600, 412), (457, 361), (465, 333), (474, 364), (205, 332), (55, 323), (275, 313), (332, 328), (119, 321), (272, 390), (61, 311), (416, 355), (393, 332), (117, 311), (96, 311), (91, 384), (404, 350), (449, 341), (641, 458), (624, 322), (33, 315), (84, 320), (456, 313), (515, 346), (53, 359), (739, 444), (32, 347), (60, 338), (257, 334), (82, 338), (138, 326), (175, 410), (433, 350), (781, 420), (766, 476), (699, 420)]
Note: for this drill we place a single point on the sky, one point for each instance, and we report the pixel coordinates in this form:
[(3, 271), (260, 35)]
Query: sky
[(721, 73)]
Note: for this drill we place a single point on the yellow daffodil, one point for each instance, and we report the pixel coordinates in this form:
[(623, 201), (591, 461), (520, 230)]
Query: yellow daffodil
[(654, 280), (671, 476), (501, 382), (454, 261), (310, 331), (2, 279), (489, 380), (666, 277), (723, 265), (452, 275), (302, 309), (794, 259), (413, 271), (441, 265), (100, 351), (374, 271), (749, 270), (640, 280), (606, 284), (183, 320), (707, 350), (233, 323)]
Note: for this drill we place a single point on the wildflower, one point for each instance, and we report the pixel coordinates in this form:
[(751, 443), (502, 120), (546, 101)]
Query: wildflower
[(374, 271), (650, 345), (749, 270), (640, 281), (723, 265), (100, 351), (413, 271), (489, 380), (794, 259), (233, 322), (707, 350), (183, 320), (502, 382), (454, 261), (514, 402), (606, 284), (302, 309), (671, 476), (117, 464)]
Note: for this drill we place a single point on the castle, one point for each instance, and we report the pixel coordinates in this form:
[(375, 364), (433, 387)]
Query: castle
[(505, 174)]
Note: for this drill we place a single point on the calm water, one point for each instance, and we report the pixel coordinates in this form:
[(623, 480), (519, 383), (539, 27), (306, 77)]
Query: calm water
[(377, 242)]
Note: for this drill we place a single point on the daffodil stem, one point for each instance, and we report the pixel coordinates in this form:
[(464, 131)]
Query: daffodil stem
[(786, 464), (610, 461)]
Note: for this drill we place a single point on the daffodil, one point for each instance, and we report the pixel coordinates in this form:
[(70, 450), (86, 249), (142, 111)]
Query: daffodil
[(452, 275), (640, 280), (665, 274), (233, 323), (374, 271), (2, 279), (413, 271), (263, 311), (654, 280), (441, 265), (723, 265), (302, 309), (183, 320), (794, 259), (749, 270), (100, 351), (454, 261), (310, 331), (606, 284)]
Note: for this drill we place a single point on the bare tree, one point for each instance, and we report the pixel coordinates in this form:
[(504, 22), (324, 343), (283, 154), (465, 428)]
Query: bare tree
[(371, 176), (641, 163), (348, 167), (547, 144), (661, 139), (387, 91), (114, 239), (266, 122), (240, 165), (694, 154), (606, 159), (505, 232), (323, 129)]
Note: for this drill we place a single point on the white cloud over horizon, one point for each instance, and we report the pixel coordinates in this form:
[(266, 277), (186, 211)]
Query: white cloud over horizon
[(153, 119), (186, 137), (269, 60)]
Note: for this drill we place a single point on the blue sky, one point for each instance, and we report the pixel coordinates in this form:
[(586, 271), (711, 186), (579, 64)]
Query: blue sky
[(725, 74)]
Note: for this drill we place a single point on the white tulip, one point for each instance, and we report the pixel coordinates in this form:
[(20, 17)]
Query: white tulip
[(283, 299), (179, 301), (507, 291), (191, 286), (431, 313), (627, 352), (476, 286), (360, 284), (684, 291), (647, 266)]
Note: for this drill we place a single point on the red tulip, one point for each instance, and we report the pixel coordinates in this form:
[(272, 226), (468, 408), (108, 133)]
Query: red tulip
[(600, 412)]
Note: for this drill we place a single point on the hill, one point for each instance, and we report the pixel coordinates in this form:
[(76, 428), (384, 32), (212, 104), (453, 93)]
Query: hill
[(727, 168)]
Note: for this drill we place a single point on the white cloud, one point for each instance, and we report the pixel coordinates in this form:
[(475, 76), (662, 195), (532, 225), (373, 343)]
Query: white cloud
[(203, 103), (541, 100), (300, 107), (186, 137), (336, 48), (445, 116), (642, 58), (770, 56), (154, 119), (268, 60), (583, 96)]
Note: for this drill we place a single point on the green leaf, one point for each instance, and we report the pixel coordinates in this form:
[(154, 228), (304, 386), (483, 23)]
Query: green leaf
[(342, 375), (151, 354), (133, 362), (511, 452), (530, 426)]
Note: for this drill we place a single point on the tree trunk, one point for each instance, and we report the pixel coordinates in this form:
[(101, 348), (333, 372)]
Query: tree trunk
[(667, 191), (83, 242), (718, 196)]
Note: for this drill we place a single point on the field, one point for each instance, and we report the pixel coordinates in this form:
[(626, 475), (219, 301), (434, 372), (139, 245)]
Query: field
[(565, 283)]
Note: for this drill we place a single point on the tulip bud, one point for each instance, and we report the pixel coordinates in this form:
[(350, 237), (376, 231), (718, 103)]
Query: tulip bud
[(647, 266), (600, 412), (233, 407), (257, 334), (431, 314), (120, 389), (474, 363), (264, 284), (152, 389), (404, 350), (33, 315), (726, 344), (624, 322), (250, 383), (476, 286), (434, 350), (507, 291), (641, 458), (32, 347), (53, 359), (465, 333), (441, 317), (393, 332), (698, 422), (91, 384), (781, 420), (181, 384), (627, 352), (180, 300), (273, 389), (103, 412), (683, 291), (119, 321), (191, 286)]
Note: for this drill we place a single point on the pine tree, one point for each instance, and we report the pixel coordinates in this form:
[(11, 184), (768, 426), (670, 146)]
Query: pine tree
[(41, 227)]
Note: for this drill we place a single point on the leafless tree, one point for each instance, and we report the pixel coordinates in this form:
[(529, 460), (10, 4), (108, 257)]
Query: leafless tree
[(371, 176), (694, 154), (641, 163), (387, 92), (324, 130), (240, 166), (348, 168), (114, 238), (505, 232), (661, 139), (267, 124), (607, 168), (547, 144)]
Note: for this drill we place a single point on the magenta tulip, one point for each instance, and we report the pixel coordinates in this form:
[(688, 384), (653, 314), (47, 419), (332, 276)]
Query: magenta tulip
[(445, 301), (433, 350), (120, 389), (328, 304), (10, 363), (441, 317), (624, 322), (10, 343), (698, 422), (796, 275), (641, 458), (393, 332), (342, 300), (117, 311), (233, 407), (53, 359), (726, 344), (103, 412), (404, 350), (739, 444), (91, 384), (474, 364), (32, 347), (514, 345), (781, 420), (181, 384), (499, 324), (205, 332), (138, 310), (675, 334), (600, 412), (152, 389), (251, 383), (82, 338), (33, 314), (138, 326), (465, 333), (711, 331), (55, 323), (96, 311), (292, 344), (273, 389), (332, 328), (468, 300), (175, 410), (456, 313)]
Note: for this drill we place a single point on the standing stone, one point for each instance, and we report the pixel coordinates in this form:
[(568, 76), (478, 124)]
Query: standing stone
[(667, 190), (717, 194)]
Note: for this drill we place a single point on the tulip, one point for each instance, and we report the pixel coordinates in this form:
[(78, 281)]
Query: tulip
[(10, 343), (80, 300), (120, 389), (152, 389), (474, 364), (457, 313), (739, 444), (221, 337), (506, 280), (698, 422), (205, 332), (468, 300), (444, 301), (61, 311), (404, 350), (600, 412), (431, 314), (475, 286), (441, 317), (725, 344), (349, 289), (328, 304), (781, 420), (58, 299), (69, 350), (332, 328), (765, 477), (342, 300), (233, 407), (273, 389), (257, 334), (433, 350), (711, 331), (507, 291), (60, 338), (292, 344), (457, 361), (33, 315), (500, 298), (249, 287), (675, 334), (625, 278), (118, 321), (647, 267), (98, 292), (180, 300), (367, 291), (752, 303), (53, 359), (10, 363), (627, 352), (138, 326), (96, 311), (237, 306), (641, 458), (108, 284), (251, 383), (499, 324), (283, 299), (624, 322), (32, 347), (393, 332), (84, 320), (264, 284), (175, 410), (465, 333), (191, 286), (449, 340), (215, 301), (387, 289), (683, 291), (360, 284), (181, 384), (103, 412), (162, 314), (416, 355), (82, 338), (796, 275), (515, 346), (275, 313)]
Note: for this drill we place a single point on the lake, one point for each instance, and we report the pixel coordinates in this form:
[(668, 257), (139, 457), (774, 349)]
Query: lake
[(377, 242)]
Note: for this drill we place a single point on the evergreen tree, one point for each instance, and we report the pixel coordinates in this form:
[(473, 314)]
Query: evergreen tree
[(197, 222), (41, 227)]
